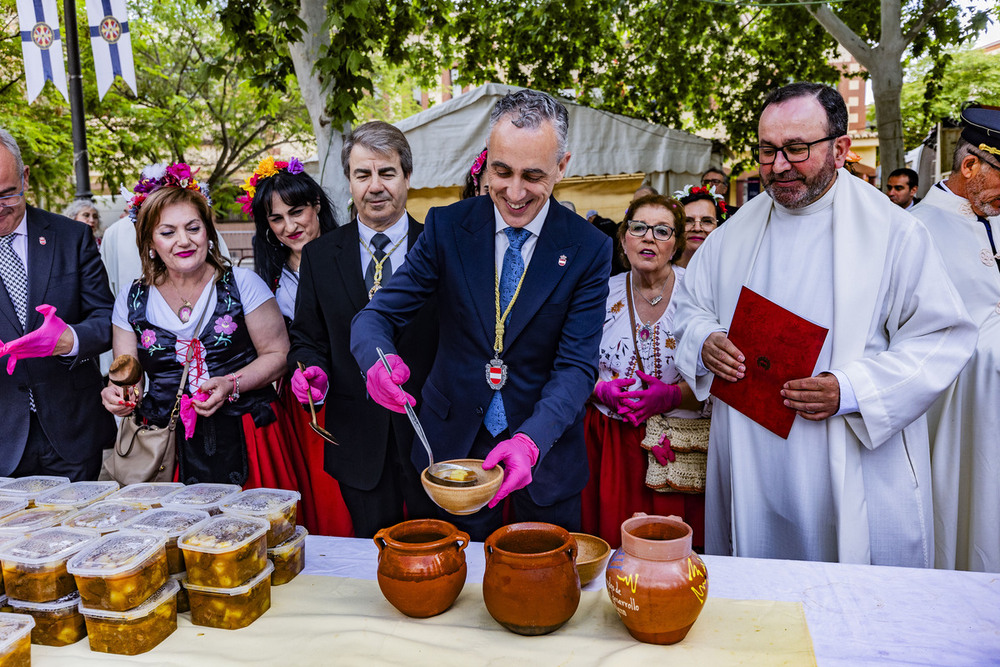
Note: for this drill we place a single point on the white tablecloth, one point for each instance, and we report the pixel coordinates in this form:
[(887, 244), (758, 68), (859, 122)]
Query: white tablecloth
[(857, 614)]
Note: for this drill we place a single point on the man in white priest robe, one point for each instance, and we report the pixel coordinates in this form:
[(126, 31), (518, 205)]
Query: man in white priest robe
[(963, 213), (852, 481)]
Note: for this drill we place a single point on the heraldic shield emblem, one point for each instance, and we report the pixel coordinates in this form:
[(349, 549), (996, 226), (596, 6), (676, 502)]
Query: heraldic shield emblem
[(496, 374)]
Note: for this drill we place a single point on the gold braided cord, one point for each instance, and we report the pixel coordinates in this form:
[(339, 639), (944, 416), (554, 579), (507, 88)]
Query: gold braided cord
[(498, 341), (377, 274), (989, 149)]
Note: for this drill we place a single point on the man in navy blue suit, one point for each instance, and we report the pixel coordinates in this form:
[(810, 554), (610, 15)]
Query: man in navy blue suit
[(521, 285), (55, 319)]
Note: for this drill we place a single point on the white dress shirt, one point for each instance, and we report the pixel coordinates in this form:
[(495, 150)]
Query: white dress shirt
[(397, 234), (502, 242)]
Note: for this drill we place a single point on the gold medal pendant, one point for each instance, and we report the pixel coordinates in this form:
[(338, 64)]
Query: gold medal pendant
[(371, 293), (496, 374)]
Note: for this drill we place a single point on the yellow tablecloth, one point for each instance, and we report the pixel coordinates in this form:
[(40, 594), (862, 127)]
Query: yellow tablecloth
[(332, 620)]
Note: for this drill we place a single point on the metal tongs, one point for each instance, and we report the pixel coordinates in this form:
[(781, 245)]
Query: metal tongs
[(314, 425), (446, 474)]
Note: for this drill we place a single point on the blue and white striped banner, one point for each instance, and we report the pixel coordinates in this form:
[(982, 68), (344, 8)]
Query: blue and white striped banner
[(111, 43), (41, 46)]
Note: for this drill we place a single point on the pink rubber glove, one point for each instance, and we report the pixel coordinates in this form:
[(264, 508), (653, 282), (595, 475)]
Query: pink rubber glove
[(657, 398), (39, 343), (611, 393), (310, 381), (188, 416), (385, 388), (662, 451), (519, 454)]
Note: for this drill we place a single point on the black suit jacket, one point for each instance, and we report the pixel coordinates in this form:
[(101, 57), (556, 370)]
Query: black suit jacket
[(331, 291), (65, 271)]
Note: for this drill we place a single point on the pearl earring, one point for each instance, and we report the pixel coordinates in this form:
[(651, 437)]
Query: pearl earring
[(211, 244), (152, 255)]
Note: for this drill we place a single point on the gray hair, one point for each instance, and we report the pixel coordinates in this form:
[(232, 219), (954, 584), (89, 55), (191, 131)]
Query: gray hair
[(10, 143), (528, 109), (78, 205), (378, 137), (963, 149)]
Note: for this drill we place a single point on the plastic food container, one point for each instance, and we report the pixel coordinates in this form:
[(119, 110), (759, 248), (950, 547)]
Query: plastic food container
[(34, 567), (105, 517), (20, 523), (182, 594), (231, 608), (205, 497), (171, 523), (226, 551), (75, 495), (57, 623), (147, 493), (15, 639), (31, 487), (275, 505), (10, 505), (289, 557), (136, 630), (120, 571)]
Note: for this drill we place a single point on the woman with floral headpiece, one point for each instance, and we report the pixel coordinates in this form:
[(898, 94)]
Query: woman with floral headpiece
[(290, 209), (475, 178), (191, 304), (704, 211)]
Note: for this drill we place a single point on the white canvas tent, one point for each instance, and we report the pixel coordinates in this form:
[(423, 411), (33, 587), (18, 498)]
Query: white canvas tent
[(604, 146)]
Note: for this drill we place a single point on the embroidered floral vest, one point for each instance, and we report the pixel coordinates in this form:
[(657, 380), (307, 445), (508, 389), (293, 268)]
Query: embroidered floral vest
[(226, 348)]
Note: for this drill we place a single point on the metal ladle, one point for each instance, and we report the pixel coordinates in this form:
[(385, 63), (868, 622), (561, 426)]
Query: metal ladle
[(446, 474), (314, 425)]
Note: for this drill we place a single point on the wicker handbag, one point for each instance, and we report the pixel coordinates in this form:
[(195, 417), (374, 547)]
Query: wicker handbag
[(689, 442)]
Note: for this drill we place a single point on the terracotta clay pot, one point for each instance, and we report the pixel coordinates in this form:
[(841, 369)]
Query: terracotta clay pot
[(421, 565), (657, 584), (531, 585)]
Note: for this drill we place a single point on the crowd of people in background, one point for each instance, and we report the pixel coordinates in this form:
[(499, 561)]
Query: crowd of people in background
[(578, 353)]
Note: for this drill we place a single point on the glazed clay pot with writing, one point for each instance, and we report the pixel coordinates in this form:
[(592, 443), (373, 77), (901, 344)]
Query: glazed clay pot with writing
[(421, 565), (656, 583), (531, 585)]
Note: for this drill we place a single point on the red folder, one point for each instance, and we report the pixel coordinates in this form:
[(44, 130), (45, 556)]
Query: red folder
[(779, 346)]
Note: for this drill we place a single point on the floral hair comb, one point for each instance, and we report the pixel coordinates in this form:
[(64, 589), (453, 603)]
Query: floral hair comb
[(268, 167), (689, 190), (162, 175), (477, 167)]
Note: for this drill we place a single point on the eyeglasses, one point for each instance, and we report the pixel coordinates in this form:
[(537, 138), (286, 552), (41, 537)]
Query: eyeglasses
[(797, 152), (711, 181), (706, 223), (638, 229), (10, 201)]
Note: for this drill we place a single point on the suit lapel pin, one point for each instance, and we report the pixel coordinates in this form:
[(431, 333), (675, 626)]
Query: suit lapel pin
[(41, 240), (562, 260)]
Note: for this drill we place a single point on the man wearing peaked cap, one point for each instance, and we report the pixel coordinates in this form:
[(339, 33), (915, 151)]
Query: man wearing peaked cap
[(963, 212)]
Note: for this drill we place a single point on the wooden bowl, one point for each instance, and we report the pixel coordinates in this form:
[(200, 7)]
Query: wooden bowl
[(592, 555), (463, 500)]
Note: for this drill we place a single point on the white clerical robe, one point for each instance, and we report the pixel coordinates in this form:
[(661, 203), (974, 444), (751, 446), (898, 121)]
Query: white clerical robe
[(965, 422), (853, 488)]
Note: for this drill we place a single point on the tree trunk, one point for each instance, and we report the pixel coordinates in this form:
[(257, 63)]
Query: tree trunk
[(329, 141), (887, 85)]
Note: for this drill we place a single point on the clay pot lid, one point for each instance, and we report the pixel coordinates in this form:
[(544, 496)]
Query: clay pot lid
[(654, 537)]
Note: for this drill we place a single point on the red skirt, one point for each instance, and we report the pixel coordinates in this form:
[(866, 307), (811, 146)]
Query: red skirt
[(617, 485), (289, 455)]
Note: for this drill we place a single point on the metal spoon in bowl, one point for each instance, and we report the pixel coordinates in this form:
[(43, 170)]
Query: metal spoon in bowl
[(314, 425), (447, 474)]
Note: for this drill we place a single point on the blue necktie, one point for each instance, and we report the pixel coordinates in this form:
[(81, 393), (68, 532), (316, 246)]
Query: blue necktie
[(513, 267)]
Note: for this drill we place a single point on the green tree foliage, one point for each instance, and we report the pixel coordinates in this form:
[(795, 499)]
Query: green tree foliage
[(969, 76), (193, 105)]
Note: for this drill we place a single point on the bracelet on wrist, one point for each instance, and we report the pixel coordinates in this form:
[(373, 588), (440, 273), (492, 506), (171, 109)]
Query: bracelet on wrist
[(234, 395)]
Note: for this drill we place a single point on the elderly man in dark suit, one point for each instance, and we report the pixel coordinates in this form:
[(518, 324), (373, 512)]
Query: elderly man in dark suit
[(340, 272), (55, 319), (521, 283)]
